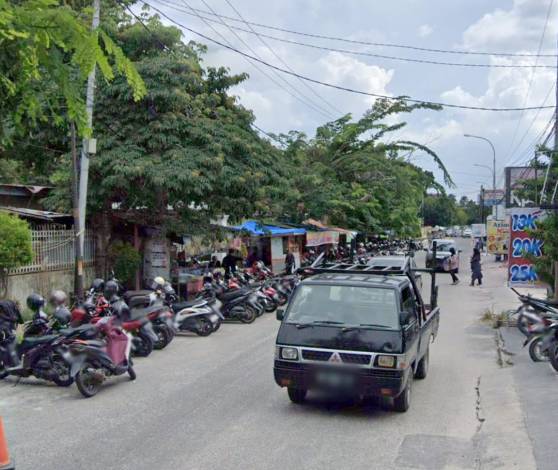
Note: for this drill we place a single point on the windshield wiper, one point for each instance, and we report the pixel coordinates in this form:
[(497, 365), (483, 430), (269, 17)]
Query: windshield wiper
[(300, 326), (328, 322), (375, 325)]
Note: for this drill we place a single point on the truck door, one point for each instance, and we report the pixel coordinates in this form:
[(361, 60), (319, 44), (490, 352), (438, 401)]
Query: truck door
[(411, 329)]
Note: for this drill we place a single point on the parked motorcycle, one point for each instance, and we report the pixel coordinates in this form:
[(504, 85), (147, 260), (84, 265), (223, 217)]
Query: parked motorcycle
[(94, 361)]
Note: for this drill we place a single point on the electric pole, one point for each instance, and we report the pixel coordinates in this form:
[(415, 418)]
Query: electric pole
[(482, 204), (554, 159), (88, 146)]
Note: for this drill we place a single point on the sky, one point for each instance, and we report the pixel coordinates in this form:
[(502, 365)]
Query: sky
[(281, 103)]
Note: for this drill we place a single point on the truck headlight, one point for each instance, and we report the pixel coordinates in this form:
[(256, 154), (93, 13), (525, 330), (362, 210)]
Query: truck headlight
[(386, 361), (290, 354)]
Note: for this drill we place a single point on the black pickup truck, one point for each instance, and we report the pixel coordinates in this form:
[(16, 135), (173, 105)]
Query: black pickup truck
[(356, 330)]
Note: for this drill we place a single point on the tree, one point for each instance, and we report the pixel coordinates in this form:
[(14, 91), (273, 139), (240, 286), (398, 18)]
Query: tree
[(48, 50), (353, 178), (187, 145)]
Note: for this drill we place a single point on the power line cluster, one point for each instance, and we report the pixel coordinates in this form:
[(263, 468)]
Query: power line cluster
[(254, 58)]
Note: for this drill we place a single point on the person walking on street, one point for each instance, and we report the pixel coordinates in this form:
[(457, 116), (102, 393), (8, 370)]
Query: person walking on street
[(289, 262), (453, 263), (476, 271)]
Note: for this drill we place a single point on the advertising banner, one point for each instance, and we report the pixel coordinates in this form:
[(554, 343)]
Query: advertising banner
[(322, 238), (521, 271), (498, 235), (515, 177)]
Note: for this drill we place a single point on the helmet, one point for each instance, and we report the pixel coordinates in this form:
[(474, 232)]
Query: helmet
[(35, 302), (57, 297), (98, 285), (160, 281), (63, 315), (111, 289)]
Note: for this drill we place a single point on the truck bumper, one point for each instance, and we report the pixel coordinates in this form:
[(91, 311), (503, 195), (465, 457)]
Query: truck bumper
[(360, 381)]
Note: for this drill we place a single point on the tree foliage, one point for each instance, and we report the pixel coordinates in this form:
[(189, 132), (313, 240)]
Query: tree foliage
[(125, 260), (15, 242), (48, 50)]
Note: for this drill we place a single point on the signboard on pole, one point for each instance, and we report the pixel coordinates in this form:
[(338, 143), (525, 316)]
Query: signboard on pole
[(521, 270), (515, 175), (328, 237), (498, 235), (493, 197)]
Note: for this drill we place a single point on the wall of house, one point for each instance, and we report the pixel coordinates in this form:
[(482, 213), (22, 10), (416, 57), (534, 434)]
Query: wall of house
[(19, 286)]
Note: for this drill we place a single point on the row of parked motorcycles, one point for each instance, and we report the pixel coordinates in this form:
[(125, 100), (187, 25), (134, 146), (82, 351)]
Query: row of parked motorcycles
[(99, 336), (537, 319)]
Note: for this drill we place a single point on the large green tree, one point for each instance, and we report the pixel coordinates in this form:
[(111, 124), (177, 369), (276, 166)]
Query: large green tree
[(350, 176), (186, 151)]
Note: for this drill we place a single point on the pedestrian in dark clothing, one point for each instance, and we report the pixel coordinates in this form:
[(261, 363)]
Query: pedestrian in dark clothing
[(229, 263), (476, 271), (289, 263)]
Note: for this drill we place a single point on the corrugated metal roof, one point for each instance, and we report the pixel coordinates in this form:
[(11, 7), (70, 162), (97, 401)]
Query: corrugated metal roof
[(35, 214)]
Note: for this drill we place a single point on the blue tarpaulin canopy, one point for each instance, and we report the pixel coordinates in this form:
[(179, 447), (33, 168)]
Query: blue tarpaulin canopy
[(257, 229)]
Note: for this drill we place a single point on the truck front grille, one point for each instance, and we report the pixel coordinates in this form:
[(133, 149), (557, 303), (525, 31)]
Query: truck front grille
[(352, 358), (311, 355)]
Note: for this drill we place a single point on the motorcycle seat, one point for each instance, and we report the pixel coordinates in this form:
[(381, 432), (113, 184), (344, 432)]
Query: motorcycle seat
[(78, 331), (233, 294), (177, 306), (32, 341), (138, 313), (130, 294)]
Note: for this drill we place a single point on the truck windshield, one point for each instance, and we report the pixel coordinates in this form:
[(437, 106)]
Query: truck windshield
[(345, 305)]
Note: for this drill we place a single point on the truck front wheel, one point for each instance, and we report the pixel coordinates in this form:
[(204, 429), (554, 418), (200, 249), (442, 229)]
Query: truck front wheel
[(402, 402), (422, 368), (297, 395)]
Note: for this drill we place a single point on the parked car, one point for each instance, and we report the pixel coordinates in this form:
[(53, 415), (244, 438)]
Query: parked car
[(467, 233)]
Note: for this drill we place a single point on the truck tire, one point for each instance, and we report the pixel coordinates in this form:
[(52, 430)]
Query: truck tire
[(297, 395), (422, 368), (402, 402)]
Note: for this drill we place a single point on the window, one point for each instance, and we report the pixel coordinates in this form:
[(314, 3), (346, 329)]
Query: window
[(345, 305), (407, 300)]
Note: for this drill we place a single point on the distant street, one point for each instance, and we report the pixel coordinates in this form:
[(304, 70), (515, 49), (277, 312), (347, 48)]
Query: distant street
[(211, 403)]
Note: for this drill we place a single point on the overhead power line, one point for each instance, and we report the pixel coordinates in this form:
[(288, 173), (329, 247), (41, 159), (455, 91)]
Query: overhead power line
[(338, 87), (173, 5), (532, 76), (295, 93), (378, 44), (317, 95)]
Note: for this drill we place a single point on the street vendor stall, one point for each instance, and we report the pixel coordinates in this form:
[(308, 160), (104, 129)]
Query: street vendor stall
[(270, 243)]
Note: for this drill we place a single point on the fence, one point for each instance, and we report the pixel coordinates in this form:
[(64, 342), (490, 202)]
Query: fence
[(53, 250)]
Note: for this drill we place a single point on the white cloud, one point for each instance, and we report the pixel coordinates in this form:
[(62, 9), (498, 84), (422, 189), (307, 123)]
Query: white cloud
[(425, 30), (516, 29)]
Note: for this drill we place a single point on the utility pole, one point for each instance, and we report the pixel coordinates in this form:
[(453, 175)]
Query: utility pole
[(482, 204), (88, 146), (554, 159), (78, 286)]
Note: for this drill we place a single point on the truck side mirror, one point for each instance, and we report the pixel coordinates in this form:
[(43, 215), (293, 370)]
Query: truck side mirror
[(280, 314), (406, 316)]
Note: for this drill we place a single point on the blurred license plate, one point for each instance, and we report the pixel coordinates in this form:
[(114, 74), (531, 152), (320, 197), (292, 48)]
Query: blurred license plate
[(332, 379)]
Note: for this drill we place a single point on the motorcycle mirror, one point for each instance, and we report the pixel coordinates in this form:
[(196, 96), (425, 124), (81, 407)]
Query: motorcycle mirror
[(280, 314)]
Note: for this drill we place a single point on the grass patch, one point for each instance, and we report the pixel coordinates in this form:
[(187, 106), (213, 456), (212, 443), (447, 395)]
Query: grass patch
[(494, 320)]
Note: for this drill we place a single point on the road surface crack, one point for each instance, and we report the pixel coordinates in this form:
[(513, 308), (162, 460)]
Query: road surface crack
[(503, 355), (480, 419)]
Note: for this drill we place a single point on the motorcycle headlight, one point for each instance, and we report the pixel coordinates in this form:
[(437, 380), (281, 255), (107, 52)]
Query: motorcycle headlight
[(290, 354)]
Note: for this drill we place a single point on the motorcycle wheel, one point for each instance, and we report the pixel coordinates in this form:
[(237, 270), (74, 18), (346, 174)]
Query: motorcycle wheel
[(217, 325), (86, 384), (553, 355), (62, 368), (144, 346), (204, 327), (3, 372), (248, 316), (283, 299), (163, 337), (535, 351), (131, 371), (270, 306)]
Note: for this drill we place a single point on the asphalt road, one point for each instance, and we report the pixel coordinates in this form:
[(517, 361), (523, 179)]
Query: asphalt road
[(211, 403)]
